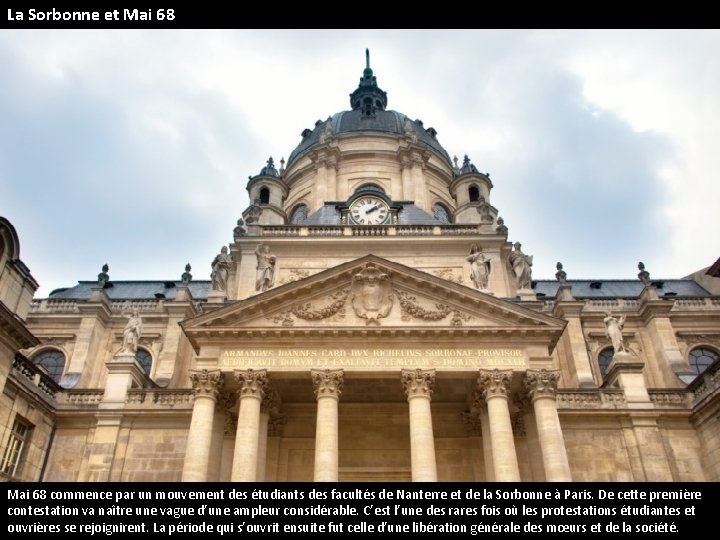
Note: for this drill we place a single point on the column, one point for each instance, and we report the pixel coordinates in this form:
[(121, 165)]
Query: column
[(494, 386), (418, 385), (252, 385), (327, 385), (487, 443), (207, 385), (541, 386), (269, 403)]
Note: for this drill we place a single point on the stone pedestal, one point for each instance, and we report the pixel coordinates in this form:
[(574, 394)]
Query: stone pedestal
[(216, 297), (526, 295), (625, 371)]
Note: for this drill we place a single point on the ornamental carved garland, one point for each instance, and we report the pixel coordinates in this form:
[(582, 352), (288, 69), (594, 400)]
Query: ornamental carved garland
[(410, 308), (307, 313)]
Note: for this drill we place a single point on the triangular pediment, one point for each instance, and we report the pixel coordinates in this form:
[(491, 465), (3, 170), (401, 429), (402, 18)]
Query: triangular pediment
[(374, 295)]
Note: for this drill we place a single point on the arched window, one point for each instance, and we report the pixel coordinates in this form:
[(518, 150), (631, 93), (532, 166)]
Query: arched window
[(52, 361), (264, 195), (604, 359), (441, 213), (700, 358), (299, 214), (144, 358), (474, 193)]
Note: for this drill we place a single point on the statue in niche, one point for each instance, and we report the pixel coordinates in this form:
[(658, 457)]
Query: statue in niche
[(479, 267), (220, 270), (522, 266), (613, 329), (265, 276), (132, 331)]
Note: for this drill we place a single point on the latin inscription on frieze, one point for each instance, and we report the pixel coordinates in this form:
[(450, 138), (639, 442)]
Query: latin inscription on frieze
[(374, 358)]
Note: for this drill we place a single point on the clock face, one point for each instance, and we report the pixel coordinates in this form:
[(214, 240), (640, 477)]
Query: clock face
[(369, 211)]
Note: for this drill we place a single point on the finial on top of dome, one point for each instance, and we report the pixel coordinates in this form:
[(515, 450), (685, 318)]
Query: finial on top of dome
[(368, 96)]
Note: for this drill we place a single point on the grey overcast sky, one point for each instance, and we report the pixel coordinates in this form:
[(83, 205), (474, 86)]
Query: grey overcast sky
[(133, 147)]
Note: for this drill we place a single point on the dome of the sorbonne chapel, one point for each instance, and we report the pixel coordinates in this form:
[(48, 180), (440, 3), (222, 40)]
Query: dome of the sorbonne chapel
[(369, 318), (368, 114)]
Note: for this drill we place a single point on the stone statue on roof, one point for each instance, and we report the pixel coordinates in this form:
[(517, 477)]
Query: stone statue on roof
[(479, 267), (186, 276), (103, 277), (265, 276), (220, 270), (560, 275), (521, 265)]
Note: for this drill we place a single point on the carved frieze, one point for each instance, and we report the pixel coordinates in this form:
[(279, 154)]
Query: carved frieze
[(448, 274), (294, 274)]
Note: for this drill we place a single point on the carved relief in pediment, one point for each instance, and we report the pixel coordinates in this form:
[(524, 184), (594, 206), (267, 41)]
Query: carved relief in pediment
[(334, 309), (371, 295)]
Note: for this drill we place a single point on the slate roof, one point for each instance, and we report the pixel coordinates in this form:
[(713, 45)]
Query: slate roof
[(122, 290), (612, 288), (354, 121)]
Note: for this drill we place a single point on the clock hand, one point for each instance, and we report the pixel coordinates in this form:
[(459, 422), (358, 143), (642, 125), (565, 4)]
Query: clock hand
[(372, 209)]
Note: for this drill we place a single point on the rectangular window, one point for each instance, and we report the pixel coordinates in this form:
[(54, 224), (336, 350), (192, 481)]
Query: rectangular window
[(19, 436)]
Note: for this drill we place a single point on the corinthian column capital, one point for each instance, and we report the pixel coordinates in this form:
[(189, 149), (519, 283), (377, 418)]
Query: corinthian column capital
[(541, 382), (494, 383), (252, 382), (327, 383), (207, 383), (418, 382)]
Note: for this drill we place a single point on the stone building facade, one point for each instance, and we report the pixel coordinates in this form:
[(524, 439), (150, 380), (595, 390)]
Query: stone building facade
[(371, 321)]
